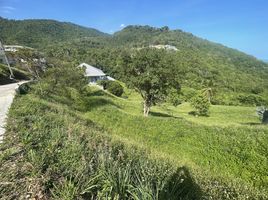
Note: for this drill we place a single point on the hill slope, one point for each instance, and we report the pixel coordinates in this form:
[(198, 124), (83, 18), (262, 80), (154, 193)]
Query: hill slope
[(39, 33), (230, 73)]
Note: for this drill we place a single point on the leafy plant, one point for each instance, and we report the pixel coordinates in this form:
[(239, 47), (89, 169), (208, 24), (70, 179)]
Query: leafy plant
[(115, 88), (151, 73), (201, 104)]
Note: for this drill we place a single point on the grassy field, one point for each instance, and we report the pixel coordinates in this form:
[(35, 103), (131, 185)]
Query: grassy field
[(220, 115), (51, 151), (230, 145), (98, 146)]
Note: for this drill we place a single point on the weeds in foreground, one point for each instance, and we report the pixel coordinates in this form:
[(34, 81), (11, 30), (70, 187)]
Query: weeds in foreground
[(51, 154)]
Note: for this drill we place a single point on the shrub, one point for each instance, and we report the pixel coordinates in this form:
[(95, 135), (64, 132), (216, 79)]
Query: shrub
[(201, 104), (257, 90), (251, 100), (57, 79), (23, 88), (115, 88), (174, 97), (103, 83), (188, 93)]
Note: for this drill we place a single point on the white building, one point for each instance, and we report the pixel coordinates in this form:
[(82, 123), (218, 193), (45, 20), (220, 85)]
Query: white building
[(94, 74), (166, 47), (14, 48)]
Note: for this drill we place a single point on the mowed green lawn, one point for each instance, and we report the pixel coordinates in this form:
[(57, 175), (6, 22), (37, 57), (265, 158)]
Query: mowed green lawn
[(230, 146), (219, 115)]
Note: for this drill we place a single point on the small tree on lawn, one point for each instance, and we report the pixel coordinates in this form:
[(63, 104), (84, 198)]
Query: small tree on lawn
[(150, 72), (201, 104)]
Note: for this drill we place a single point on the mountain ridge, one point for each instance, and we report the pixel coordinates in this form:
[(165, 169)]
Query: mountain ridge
[(83, 31)]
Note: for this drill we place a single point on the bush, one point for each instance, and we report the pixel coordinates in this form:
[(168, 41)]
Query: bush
[(103, 83), (201, 104), (257, 90), (251, 100), (188, 93), (57, 79), (114, 87), (174, 97), (23, 88)]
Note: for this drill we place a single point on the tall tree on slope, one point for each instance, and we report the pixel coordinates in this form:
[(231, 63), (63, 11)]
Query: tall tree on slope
[(150, 72)]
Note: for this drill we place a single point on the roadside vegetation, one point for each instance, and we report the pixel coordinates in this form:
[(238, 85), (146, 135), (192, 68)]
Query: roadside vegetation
[(5, 74), (52, 151)]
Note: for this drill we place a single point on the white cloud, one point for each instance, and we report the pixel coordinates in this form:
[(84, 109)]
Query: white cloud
[(122, 25), (7, 9)]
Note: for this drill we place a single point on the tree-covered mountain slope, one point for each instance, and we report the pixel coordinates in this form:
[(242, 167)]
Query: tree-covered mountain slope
[(39, 33), (201, 62), (235, 77)]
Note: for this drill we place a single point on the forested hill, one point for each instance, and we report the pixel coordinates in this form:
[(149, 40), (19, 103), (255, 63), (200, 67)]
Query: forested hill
[(39, 33), (137, 36), (230, 73)]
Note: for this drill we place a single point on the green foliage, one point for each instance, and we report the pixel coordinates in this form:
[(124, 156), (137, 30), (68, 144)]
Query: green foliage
[(115, 88), (251, 99), (50, 151), (57, 79), (188, 93), (201, 104), (257, 90), (199, 63), (112, 86), (215, 148), (23, 88), (39, 33), (103, 83), (174, 97), (151, 73)]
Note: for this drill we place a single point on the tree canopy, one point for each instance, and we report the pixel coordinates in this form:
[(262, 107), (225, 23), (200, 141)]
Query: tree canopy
[(151, 73)]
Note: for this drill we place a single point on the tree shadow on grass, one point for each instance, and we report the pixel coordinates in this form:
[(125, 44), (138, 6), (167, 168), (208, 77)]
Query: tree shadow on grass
[(101, 93), (181, 185), (253, 124), (95, 102), (159, 114)]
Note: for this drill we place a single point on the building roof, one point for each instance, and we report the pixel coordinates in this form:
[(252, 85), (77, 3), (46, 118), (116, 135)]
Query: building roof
[(92, 71)]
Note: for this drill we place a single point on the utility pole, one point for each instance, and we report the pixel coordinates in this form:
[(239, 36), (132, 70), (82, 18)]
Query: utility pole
[(2, 53)]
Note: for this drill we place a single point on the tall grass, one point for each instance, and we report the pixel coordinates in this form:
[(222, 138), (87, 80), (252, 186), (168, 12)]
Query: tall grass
[(65, 142), (50, 152), (229, 159)]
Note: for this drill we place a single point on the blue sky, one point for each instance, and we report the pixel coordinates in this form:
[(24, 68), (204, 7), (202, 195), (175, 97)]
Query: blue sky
[(240, 24)]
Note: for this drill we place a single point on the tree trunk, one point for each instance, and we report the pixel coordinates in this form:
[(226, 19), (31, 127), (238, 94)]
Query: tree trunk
[(146, 108)]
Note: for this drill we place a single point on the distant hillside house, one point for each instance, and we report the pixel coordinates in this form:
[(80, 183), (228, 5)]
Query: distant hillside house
[(15, 48), (94, 74), (166, 47)]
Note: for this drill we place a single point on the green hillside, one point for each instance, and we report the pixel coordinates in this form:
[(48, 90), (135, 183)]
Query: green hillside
[(235, 77), (40, 33), (67, 140)]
